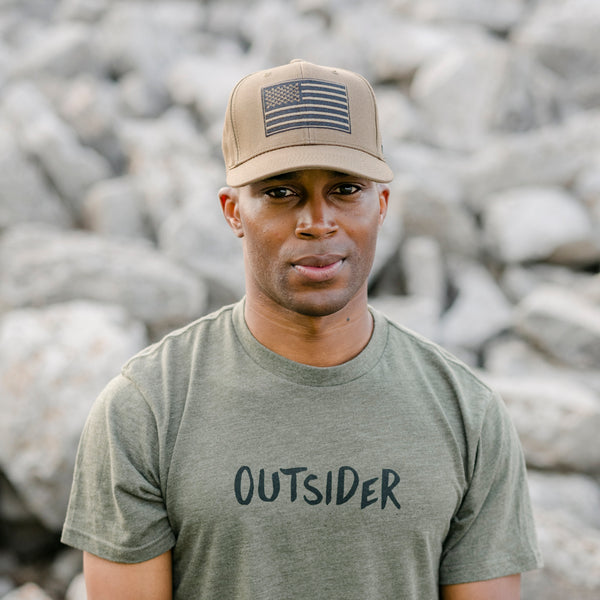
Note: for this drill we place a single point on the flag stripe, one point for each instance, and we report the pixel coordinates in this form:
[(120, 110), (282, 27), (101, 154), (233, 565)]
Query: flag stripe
[(305, 123), (285, 113), (305, 103)]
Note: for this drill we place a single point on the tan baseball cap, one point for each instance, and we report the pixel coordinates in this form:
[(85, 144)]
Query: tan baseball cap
[(302, 116)]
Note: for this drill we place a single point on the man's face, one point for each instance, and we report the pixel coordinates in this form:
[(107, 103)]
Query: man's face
[(309, 237)]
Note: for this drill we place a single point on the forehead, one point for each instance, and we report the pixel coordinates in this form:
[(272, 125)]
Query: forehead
[(306, 175)]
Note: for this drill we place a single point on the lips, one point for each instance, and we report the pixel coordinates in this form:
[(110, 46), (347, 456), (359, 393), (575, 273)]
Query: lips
[(318, 268)]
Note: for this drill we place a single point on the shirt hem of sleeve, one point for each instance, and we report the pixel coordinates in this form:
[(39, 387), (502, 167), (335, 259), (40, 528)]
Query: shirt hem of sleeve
[(485, 571), (113, 552)]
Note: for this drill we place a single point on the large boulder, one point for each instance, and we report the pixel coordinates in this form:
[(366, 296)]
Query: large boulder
[(24, 193), (539, 223), (563, 324), (71, 166), (53, 363), (63, 50), (558, 420), (563, 35), (547, 156), (479, 312), (39, 266)]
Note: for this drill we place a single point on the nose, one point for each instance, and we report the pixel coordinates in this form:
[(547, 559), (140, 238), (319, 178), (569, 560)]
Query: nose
[(316, 219)]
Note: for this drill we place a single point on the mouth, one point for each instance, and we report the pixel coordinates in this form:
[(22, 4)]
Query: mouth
[(318, 268)]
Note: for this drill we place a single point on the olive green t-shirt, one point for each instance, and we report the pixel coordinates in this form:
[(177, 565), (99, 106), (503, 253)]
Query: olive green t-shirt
[(383, 477)]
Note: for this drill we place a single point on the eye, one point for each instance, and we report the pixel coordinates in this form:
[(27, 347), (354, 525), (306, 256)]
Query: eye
[(346, 189), (279, 193)]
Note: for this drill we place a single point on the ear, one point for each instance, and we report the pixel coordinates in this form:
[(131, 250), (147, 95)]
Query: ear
[(384, 196), (229, 198)]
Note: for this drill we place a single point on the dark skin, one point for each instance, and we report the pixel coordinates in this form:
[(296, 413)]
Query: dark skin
[(309, 243)]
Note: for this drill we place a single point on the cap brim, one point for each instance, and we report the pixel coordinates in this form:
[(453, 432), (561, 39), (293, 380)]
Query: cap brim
[(294, 158)]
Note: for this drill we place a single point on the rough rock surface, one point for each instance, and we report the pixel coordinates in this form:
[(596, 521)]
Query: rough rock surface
[(111, 115), (53, 363)]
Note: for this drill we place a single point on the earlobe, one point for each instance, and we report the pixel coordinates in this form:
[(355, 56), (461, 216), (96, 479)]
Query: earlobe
[(229, 198)]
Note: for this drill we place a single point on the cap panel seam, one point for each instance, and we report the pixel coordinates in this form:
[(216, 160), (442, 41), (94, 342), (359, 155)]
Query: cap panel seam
[(303, 145)]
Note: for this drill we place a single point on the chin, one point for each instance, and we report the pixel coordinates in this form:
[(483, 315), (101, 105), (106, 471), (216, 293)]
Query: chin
[(319, 307)]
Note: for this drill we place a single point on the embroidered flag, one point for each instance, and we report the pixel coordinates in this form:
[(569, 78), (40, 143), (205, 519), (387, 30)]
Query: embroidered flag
[(305, 103)]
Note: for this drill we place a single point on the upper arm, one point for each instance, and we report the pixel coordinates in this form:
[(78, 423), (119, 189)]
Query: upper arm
[(148, 580), (502, 588)]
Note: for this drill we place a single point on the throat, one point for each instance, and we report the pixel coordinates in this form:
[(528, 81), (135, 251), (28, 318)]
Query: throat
[(316, 341)]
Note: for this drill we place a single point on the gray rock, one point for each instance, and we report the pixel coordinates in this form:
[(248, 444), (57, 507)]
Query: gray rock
[(587, 187), (91, 107), (24, 195), (53, 363), (571, 553), (497, 15), (135, 36), (76, 589), (562, 324), (573, 493), (589, 288), (63, 51), (398, 116), (198, 236), (557, 420), (432, 206), (518, 281), (545, 157), (142, 97), (114, 208), (563, 35), (479, 312), (71, 166), (539, 223), (42, 266), (299, 34), (457, 93), (421, 42), (81, 10), (6, 586), (512, 355), (29, 591), (187, 82), (417, 313), (424, 270)]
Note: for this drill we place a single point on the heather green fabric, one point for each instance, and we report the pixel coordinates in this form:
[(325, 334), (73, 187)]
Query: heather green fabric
[(379, 478)]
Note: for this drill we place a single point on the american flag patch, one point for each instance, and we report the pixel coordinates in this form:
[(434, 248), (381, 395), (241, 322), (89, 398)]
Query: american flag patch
[(305, 103)]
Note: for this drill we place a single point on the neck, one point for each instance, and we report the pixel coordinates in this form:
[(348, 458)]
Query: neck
[(317, 341)]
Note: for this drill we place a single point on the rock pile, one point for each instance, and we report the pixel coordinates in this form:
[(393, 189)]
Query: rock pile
[(110, 231)]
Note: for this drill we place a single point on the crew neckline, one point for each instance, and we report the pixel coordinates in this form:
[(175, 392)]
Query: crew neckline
[(309, 375)]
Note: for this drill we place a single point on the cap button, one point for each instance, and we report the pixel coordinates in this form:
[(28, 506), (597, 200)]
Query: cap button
[(295, 60)]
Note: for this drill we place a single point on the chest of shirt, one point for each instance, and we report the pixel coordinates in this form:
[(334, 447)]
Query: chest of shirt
[(299, 461)]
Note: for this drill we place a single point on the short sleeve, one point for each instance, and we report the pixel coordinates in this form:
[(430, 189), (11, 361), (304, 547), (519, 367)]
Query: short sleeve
[(116, 508), (493, 533)]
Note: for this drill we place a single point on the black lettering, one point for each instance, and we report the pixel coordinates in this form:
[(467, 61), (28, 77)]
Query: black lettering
[(341, 497), (261, 486), (238, 486), (367, 491), (386, 487), (294, 482), (328, 487), (313, 490)]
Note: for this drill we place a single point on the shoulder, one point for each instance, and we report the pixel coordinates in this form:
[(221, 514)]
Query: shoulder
[(180, 345), (432, 372), (429, 356)]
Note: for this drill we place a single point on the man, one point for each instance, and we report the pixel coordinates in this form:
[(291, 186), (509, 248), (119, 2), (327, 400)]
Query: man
[(298, 444)]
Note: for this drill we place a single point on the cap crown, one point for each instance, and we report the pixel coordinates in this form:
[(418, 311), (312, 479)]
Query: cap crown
[(299, 116)]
